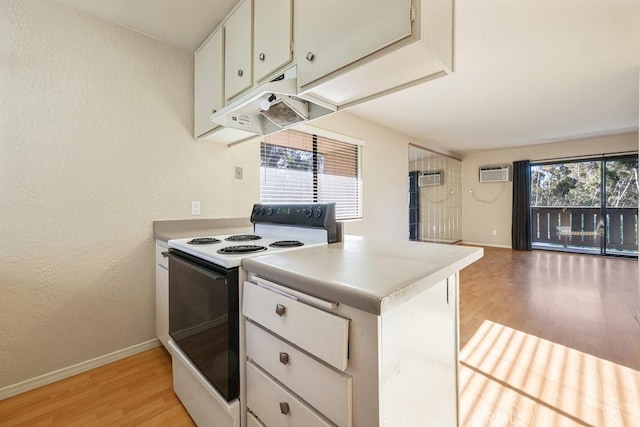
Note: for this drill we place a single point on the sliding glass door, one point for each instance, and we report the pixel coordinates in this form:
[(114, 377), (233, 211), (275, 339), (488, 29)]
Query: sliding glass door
[(621, 206), (588, 206)]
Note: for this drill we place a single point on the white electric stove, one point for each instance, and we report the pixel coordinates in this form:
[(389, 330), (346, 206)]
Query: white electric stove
[(205, 293), (229, 250)]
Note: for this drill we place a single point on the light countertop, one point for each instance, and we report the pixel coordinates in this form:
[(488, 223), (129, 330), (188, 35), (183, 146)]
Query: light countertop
[(372, 275), (177, 229)]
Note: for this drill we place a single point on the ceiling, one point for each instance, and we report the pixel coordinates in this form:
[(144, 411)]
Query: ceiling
[(184, 23), (527, 71)]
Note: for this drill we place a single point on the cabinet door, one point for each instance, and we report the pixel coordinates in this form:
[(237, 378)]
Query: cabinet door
[(208, 80), (332, 34), (237, 50), (162, 304), (272, 36), (419, 358)]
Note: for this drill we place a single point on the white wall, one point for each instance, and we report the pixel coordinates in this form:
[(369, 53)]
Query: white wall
[(95, 144), (385, 169), (479, 219)]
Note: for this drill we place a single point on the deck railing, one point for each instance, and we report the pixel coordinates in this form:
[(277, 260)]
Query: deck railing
[(583, 227)]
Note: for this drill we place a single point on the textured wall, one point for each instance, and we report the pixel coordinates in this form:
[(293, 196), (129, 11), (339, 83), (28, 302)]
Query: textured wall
[(479, 219), (95, 144)]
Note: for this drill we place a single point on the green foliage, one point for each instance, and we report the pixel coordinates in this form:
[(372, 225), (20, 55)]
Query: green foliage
[(622, 183), (579, 184), (276, 156)]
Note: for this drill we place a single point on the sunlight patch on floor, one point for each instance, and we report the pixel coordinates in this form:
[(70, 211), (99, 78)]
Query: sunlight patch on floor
[(511, 378)]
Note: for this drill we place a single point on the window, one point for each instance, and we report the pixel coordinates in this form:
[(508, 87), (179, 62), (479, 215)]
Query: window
[(588, 205), (301, 167)]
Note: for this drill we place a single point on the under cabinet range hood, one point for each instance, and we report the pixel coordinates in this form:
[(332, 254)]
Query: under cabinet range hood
[(270, 107)]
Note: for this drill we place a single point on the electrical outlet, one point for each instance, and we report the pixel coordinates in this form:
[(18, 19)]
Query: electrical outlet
[(195, 208), (238, 172), (494, 232)]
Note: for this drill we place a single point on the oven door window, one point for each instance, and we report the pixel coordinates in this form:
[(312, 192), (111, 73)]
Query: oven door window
[(203, 320)]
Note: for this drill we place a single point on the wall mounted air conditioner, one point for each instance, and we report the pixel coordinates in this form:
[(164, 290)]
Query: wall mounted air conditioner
[(431, 178), (498, 173)]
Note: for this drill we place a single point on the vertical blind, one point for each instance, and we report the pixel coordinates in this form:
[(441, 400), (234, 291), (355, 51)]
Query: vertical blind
[(301, 167)]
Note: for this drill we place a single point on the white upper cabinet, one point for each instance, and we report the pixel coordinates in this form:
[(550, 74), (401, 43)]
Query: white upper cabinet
[(209, 83), (346, 52), (352, 51), (238, 50), (332, 34), (273, 32)]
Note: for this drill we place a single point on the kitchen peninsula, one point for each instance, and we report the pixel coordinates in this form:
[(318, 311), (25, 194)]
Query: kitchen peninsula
[(356, 333)]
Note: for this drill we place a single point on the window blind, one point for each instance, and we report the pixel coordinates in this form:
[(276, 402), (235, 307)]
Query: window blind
[(301, 167)]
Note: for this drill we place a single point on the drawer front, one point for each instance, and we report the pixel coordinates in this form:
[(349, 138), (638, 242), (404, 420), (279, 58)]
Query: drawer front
[(161, 259), (320, 333), (204, 404), (325, 389), (275, 406)]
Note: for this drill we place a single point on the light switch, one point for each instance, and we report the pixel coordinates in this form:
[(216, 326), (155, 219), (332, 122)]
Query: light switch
[(238, 172), (195, 208)]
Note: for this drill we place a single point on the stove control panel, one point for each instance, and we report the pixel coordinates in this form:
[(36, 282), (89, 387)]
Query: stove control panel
[(319, 215)]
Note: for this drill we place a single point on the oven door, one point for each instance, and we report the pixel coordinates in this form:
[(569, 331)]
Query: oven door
[(204, 318)]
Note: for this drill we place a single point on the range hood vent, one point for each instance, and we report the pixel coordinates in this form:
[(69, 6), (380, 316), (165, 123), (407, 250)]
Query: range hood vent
[(270, 107)]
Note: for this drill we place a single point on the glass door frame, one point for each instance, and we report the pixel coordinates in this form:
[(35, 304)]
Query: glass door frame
[(605, 208), (602, 208)]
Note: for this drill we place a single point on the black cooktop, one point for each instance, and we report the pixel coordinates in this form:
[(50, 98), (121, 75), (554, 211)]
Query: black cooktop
[(243, 237), (286, 244), (203, 241), (241, 249)]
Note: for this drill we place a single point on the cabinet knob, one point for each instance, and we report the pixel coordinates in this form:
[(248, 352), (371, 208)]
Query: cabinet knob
[(284, 408), (280, 310), (261, 56), (240, 73), (284, 358), (214, 111), (309, 56)]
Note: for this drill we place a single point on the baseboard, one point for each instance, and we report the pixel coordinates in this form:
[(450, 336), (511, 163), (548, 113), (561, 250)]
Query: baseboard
[(486, 244), (60, 374)]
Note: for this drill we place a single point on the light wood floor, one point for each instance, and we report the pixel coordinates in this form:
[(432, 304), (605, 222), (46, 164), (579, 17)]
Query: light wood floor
[(547, 339), (136, 391)]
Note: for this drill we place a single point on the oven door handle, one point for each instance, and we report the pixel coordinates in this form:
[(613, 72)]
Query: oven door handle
[(200, 269)]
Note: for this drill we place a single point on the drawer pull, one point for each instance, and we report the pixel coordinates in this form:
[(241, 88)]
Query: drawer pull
[(261, 56), (284, 408), (280, 310), (284, 358), (240, 73)]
